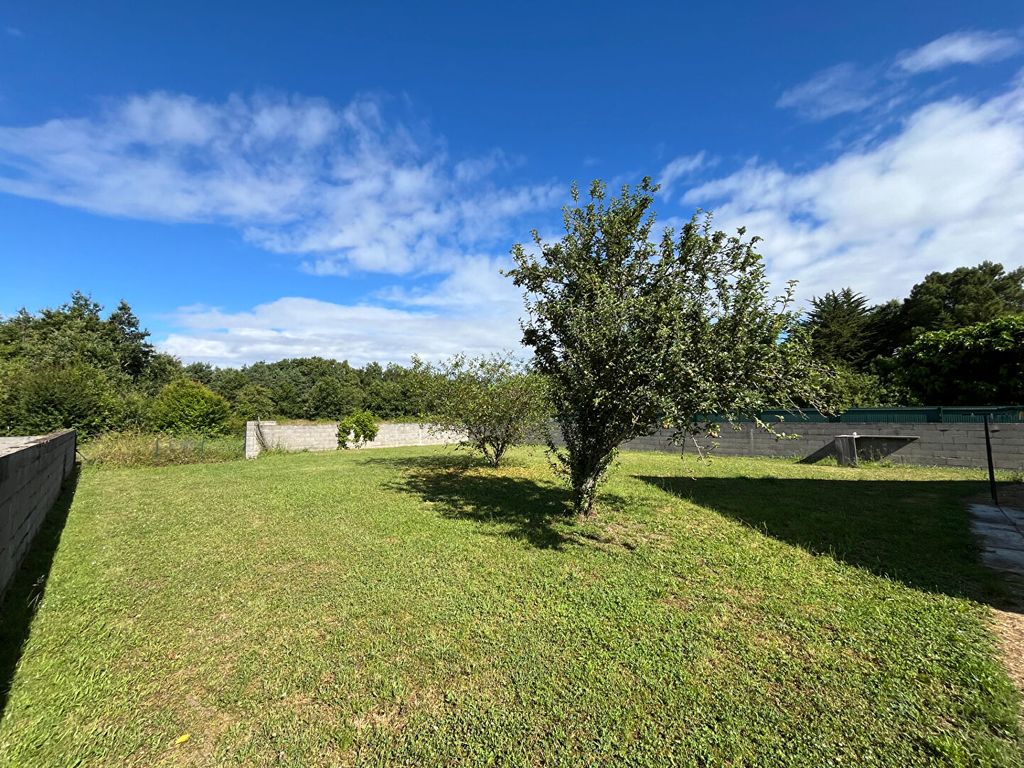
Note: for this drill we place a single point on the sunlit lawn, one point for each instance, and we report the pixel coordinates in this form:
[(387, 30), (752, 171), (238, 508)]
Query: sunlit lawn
[(412, 607)]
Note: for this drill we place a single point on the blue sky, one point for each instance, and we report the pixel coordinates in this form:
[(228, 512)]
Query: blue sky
[(263, 180)]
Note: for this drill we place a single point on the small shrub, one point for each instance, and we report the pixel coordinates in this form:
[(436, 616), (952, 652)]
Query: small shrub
[(186, 407), (496, 402), (357, 429)]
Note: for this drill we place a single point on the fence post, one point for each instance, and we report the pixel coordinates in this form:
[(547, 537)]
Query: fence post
[(991, 466)]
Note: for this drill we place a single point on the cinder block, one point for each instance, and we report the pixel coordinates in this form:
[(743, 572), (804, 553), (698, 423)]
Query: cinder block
[(30, 482)]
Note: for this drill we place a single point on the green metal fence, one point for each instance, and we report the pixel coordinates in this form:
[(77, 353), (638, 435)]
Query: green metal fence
[(929, 414)]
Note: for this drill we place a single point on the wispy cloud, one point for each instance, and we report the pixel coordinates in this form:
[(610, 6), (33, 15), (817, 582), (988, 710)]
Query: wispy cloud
[(960, 48), (345, 187), (837, 90), (849, 88), (946, 190), (13, 32), (681, 168)]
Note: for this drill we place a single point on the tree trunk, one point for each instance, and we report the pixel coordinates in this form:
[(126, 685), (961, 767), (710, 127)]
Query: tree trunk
[(586, 469), (583, 498)]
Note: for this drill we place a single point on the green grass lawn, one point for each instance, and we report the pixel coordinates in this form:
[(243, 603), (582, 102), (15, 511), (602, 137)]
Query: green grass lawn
[(412, 607)]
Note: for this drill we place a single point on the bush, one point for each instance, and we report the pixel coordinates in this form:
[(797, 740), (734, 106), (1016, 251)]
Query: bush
[(37, 401), (186, 407), (981, 364), (132, 412), (846, 388), (254, 402), (135, 449), (357, 429), (496, 402)]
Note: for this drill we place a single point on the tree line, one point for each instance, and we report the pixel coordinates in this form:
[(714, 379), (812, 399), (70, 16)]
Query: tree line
[(956, 339), (75, 366)]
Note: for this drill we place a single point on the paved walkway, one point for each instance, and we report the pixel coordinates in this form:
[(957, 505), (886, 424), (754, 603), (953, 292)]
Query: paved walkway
[(1000, 531)]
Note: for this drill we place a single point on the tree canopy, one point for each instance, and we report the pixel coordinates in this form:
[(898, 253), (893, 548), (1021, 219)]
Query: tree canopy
[(76, 333), (604, 289), (978, 364), (967, 295), (495, 401), (840, 327), (633, 334), (869, 344)]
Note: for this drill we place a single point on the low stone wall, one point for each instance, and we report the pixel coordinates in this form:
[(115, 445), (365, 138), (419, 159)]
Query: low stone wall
[(951, 445), (398, 435), (269, 435), (32, 472)]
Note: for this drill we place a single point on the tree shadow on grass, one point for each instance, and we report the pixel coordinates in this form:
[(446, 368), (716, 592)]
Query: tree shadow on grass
[(465, 488), (26, 590), (914, 532)]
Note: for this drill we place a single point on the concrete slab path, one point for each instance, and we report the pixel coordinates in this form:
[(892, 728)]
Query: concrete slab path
[(1000, 531)]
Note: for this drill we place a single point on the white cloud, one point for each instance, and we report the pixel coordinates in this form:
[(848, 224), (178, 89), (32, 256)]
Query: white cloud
[(473, 284), (345, 187), (680, 168), (947, 190), (471, 308), (298, 327), (475, 168), (840, 89), (960, 48), (849, 88)]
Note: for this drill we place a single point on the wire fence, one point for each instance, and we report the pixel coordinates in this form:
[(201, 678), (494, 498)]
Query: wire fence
[(133, 449), (926, 414)]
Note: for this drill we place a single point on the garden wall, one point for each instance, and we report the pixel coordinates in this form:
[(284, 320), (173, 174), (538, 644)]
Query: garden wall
[(32, 472), (269, 435), (952, 445)]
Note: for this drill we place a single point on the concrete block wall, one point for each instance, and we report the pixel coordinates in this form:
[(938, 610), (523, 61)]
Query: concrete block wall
[(951, 445), (324, 437), (31, 476), (269, 435), (398, 435)]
